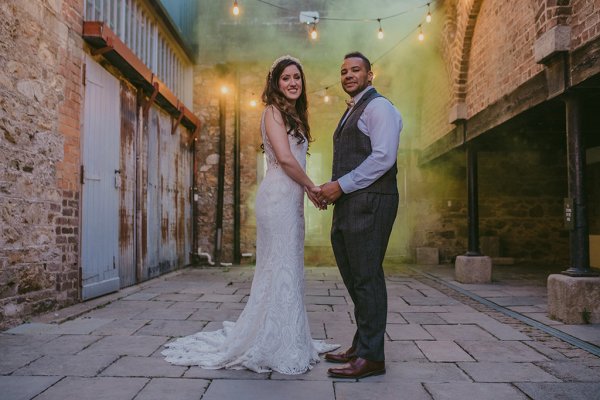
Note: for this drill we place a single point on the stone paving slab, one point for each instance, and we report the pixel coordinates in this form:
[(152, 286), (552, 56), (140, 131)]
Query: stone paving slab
[(506, 372), (403, 351), (456, 332), (79, 326), (443, 351), (172, 328), (479, 391), (227, 374), (380, 391), (94, 389), (173, 388), (423, 318), (25, 387), (413, 371), (130, 366), (67, 365), (269, 390), (498, 351), (69, 344), (13, 360), (164, 314), (445, 345), (407, 332), (137, 345), (561, 391), (121, 327), (571, 371)]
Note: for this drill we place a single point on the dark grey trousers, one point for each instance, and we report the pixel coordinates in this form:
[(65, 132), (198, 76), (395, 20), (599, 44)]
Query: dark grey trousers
[(360, 232)]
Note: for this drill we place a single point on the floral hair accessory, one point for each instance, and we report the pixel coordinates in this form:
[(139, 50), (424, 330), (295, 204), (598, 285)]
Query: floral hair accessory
[(280, 59)]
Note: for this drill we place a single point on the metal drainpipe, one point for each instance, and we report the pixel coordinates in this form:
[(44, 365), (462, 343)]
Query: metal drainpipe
[(236, 175), (579, 233), (221, 179)]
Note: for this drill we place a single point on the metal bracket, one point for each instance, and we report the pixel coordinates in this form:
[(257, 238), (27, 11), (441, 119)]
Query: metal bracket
[(152, 97), (176, 122)]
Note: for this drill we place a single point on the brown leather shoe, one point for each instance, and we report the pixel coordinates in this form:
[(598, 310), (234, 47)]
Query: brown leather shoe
[(340, 358), (358, 368)]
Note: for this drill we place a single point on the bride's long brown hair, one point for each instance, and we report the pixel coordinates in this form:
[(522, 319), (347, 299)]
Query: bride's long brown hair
[(296, 118)]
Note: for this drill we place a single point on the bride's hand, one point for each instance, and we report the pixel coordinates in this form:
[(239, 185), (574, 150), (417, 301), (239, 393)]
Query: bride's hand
[(312, 195)]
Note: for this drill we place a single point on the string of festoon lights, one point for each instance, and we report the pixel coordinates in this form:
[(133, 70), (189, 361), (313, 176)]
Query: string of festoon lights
[(314, 33)]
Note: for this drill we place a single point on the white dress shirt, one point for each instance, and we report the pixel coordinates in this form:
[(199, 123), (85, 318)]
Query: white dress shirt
[(382, 123)]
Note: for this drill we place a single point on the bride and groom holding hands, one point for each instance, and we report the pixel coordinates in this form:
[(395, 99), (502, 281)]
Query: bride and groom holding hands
[(272, 333)]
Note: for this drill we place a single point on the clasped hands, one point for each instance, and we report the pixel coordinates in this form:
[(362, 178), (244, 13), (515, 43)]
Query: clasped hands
[(325, 194)]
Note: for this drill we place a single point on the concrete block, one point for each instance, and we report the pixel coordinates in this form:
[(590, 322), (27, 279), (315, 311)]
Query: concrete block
[(468, 269), (428, 255), (556, 39), (574, 300), (458, 112)]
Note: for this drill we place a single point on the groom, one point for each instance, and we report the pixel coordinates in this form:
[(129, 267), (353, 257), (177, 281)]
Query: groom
[(365, 193)]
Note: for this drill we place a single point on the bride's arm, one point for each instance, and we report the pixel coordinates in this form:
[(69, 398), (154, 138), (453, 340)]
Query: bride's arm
[(275, 128)]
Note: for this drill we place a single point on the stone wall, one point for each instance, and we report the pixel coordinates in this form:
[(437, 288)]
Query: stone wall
[(40, 102), (207, 84)]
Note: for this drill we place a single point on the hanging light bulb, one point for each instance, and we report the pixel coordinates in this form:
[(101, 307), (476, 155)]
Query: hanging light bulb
[(224, 89), (236, 9), (253, 103), (421, 35), (428, 17), (313, 32), (380, 32)]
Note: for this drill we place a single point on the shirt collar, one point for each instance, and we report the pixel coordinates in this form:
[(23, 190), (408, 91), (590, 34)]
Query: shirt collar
[(360, 95)]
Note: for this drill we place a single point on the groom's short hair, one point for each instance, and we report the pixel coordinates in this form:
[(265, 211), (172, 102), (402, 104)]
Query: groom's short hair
[(358, 54)]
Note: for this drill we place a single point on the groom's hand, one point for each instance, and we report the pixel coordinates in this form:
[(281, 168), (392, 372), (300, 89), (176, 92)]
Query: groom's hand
[(330, 192), (312, 193)]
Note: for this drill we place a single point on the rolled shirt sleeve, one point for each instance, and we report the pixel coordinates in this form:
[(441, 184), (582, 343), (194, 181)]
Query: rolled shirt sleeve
[(382, 123)]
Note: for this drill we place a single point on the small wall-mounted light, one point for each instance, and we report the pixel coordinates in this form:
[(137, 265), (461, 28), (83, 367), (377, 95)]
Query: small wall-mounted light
[(236, 8)]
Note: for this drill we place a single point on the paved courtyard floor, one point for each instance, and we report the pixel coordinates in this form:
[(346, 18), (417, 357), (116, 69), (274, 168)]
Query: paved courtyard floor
[(441, 344)]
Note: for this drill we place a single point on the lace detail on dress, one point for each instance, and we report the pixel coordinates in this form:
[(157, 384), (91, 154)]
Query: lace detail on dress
[(272, 332)]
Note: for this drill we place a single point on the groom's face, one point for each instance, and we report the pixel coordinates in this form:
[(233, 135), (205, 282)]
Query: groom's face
[(354, 76)]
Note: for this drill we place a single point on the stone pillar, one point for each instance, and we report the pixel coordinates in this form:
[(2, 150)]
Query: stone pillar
[(574, 300)]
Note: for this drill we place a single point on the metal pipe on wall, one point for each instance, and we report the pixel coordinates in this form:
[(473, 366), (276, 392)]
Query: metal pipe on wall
[(221, 179), (236, 174)]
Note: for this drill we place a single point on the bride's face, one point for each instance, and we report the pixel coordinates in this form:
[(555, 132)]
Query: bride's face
[(290, 83)]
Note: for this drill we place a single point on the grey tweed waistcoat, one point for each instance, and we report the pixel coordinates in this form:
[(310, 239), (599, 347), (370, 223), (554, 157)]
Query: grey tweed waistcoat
[(351, 147)]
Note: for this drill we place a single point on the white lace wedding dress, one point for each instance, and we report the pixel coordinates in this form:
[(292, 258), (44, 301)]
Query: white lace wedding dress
[(272, 333)]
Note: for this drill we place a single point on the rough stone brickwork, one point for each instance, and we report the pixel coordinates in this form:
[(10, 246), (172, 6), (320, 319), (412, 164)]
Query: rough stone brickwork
[(40, 98), (208, 81)]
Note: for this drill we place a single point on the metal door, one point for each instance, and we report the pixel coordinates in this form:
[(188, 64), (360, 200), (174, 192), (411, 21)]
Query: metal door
[(100, 193)]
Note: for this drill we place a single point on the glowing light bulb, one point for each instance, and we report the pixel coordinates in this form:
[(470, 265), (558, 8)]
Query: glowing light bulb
[(421, 36), (253, 103), (236, 9), (326, 98), (313, 33), (380, 31), (428, 17), (224, 89)]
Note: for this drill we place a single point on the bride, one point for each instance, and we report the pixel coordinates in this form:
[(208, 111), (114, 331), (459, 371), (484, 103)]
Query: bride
[(272, 332)]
